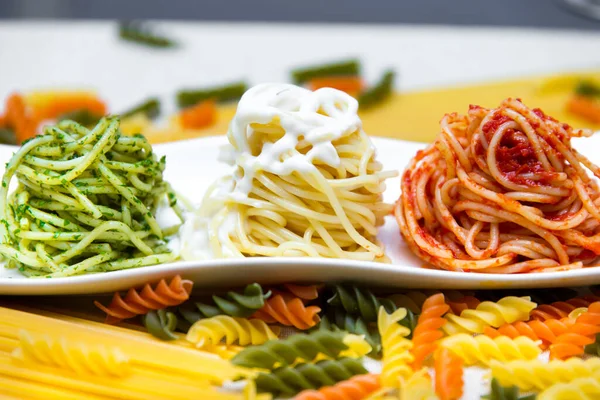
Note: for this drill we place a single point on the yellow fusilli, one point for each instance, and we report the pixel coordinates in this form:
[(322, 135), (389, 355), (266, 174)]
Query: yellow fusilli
[(211, 331), (76, 357), (396, 347), (417, 386), (506, 311), (537, 375), (578, 389), (357, 346), (483, 349)]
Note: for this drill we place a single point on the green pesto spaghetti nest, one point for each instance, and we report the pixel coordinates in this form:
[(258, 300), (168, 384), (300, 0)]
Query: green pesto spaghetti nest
[(86, 201)]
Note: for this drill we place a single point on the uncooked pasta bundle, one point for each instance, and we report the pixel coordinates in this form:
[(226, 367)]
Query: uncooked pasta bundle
[(305, 181)]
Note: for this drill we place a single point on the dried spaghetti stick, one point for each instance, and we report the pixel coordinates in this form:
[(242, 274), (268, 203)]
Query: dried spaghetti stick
[(141, 348)]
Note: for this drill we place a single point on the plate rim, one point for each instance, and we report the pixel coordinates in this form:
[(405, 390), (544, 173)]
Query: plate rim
[(443, 279)]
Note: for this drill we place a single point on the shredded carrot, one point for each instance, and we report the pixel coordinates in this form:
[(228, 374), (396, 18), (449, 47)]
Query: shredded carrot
[(349, 84), (59, 103), (17, 117), (201, 115), (585, 107)]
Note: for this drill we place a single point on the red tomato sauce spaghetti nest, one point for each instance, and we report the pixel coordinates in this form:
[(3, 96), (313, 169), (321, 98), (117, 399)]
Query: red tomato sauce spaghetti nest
[(502, 191)]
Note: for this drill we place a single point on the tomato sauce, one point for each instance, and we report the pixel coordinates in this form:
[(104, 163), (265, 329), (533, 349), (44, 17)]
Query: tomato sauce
[(515, 155), (493, 124)]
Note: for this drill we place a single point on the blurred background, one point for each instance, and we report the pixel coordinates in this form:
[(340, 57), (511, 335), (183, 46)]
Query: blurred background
[(175, 69), (573, 14)]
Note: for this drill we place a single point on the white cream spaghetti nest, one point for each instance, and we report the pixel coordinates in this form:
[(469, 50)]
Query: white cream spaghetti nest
[(305, 181)]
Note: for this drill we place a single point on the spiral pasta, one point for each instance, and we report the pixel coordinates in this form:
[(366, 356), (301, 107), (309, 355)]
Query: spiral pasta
[(546, 331), (161, 324), (235, 304), (417, 386), (359, 301), (140, 302), (593, 349), (288, 310), (536, 375), (505, 311), (77, 357), (310, 292), (211, 331), (578, 389), (561, 309), (499, 392), (427, 332), (448, 374), (300, 347), (395, 346), (482, 349), (411, 300), (581, 333), (464, 303), (287, 381), (337, 319), (356, 388)]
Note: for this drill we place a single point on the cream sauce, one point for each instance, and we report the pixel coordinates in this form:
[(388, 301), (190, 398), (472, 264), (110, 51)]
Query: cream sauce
[(319, 118)]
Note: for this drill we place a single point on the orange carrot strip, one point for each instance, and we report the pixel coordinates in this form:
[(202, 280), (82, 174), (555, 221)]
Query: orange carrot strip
[(201, 115), (68, 102), (18, 119), (585, 107), (348, 84)]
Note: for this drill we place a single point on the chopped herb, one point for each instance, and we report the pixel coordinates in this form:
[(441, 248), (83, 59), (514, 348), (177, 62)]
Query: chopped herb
[(150, 108), (348, 67), (222, 94), (378, 93), (587, 89), (140, 33)]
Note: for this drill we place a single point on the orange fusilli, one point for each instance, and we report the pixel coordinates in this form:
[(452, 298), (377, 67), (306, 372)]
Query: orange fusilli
[(581, 333), (138, 302), (288, 310), (561, 309), (448, 374), (427, 332), (547, 331), (356, 388)]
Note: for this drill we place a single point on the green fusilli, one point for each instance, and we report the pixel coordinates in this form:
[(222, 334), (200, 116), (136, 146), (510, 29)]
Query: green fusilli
[(287, 381), (299, 347)]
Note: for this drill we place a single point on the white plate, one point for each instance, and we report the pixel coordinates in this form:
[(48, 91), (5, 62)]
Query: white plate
[(192, 166)]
